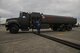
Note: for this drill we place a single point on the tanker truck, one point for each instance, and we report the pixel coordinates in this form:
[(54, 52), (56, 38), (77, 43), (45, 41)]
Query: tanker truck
[(25, 19)]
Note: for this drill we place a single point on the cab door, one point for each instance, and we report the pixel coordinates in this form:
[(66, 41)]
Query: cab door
[(24, 22)]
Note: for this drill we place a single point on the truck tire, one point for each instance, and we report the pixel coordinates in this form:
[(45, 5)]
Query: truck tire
[(69, 28), (62, 28), (54, 29), (14, 29)]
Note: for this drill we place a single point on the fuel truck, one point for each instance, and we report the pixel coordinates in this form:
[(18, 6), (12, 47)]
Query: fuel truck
[(25, 19)]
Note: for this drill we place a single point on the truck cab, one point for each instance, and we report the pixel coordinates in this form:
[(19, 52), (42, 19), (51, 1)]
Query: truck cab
[(23, 22)]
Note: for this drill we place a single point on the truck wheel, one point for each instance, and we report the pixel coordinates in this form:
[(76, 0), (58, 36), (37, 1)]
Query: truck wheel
[(14, 29), (62, 28), (69, 28), (54, 29)]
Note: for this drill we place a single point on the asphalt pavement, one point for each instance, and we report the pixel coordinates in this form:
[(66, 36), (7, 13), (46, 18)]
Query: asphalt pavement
[(27, 42), (73, 36)]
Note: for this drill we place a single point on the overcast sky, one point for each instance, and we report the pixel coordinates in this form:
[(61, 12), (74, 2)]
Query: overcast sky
[(11, 8)]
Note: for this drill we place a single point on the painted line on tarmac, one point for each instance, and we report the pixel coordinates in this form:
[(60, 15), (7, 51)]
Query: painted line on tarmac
[(68, 43)]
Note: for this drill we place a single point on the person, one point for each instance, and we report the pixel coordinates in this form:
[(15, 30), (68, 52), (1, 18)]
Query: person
[(37, 25)]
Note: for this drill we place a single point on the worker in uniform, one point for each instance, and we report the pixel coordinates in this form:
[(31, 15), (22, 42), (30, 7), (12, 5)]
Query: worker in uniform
[(37, 25)]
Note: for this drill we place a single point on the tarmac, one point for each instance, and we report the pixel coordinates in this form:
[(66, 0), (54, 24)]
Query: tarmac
[(28, 42)]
